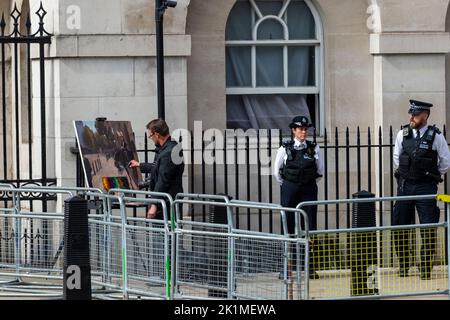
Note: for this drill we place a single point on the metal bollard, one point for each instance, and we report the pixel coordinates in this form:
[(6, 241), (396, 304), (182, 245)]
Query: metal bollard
[(77, 268), (364, 248), (217, 272)]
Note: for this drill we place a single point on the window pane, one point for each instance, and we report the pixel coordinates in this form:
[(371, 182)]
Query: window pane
[(300, 21), (239, 65), (301, 66), (239, 24), (269, 67), (269, 7), (270, 29), (267, 111)]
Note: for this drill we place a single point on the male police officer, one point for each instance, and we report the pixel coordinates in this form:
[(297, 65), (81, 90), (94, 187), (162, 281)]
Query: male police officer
[(298, 165), (421, 156)]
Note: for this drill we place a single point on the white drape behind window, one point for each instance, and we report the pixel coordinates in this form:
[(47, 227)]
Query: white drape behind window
[(268, 111)]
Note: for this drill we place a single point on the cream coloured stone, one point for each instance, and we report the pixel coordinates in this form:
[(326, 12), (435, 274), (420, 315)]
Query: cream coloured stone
[(417, 73), (403, 43), (413, 15), (71, 109), (51, 83), (138, 17), (350, 84), (67, 166), (115, 46), (176, 112), (61, 46), (175, 77), (97, 17), (344, 16), (132, 45), (106, 77)]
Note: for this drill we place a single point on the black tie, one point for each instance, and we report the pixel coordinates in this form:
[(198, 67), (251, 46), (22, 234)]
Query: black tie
[(417, 135)]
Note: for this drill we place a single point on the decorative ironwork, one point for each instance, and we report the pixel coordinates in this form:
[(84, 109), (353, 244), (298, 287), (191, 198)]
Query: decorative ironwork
[(28, 25), (16, 36), (41, 13), (7, 195), (3, 25), (15, 15), (21, 35)]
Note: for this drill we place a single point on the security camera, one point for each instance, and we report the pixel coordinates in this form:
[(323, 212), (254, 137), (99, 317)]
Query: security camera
[(171, 3)]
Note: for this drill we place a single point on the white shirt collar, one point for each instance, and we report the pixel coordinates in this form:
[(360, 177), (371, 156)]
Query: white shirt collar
[(421, 130), (298, 144)]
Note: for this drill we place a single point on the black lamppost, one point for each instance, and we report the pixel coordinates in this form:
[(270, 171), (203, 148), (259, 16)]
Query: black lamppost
[(160, 8)]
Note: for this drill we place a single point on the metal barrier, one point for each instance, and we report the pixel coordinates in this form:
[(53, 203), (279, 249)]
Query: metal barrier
[(21, 260), (129, 256), (176, 258), (363, 262), (134, 252), (217, 260)]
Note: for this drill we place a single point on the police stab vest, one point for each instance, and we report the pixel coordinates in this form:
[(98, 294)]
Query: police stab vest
[(300, 165), (418, 160)]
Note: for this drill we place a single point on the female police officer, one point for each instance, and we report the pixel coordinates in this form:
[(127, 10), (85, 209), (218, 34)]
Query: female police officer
[(298, 166)]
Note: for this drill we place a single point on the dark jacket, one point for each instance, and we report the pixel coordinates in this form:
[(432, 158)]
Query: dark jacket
[(300, 165), (418, 161), (165, 175)]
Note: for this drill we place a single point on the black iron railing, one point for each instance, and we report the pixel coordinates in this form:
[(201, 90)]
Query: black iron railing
[(19, 150), (353, 161), (21, 37)]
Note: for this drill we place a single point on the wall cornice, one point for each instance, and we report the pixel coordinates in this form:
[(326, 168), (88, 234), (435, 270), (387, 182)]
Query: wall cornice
[(409, 43), (87, 46)]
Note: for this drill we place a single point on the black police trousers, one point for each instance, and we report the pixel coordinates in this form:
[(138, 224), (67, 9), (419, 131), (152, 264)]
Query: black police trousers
[(403, 214), (294, 193), (291, 195)]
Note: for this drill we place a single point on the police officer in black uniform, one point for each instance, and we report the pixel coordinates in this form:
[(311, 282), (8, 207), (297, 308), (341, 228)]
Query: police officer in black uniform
[(421, 156), (298, 166)]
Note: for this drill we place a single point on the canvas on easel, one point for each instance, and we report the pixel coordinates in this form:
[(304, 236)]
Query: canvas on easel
[(106, 148)]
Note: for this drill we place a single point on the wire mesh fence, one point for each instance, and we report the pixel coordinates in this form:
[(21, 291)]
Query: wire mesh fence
[(202, 263), (355, 265), (105, 240), (147, 257), (183, 259), (270, 268)]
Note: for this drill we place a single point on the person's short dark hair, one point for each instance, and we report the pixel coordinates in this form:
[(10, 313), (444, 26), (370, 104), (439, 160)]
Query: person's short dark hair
[(158, 126)]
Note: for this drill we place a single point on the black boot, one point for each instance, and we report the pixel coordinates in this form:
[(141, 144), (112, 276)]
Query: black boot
[(428, 248)]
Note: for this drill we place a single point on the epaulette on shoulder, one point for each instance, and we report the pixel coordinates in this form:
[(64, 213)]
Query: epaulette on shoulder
[(406, 130), (405, 126), (436, 129), (287, 143)]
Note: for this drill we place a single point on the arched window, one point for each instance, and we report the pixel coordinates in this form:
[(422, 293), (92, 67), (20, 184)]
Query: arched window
[(273, 64)]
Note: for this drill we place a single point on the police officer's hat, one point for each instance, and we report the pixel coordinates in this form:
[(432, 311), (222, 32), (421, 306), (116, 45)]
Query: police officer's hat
[(417, 107), (300, 121)]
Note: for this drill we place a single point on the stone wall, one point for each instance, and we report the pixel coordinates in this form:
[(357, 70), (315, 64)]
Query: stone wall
[(107, 67)]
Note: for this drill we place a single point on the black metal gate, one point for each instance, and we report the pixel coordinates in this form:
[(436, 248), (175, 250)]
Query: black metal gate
[(23, 123), (17, 145)]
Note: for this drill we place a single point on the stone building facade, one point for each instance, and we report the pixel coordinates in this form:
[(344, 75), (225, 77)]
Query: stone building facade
[(372, 57)]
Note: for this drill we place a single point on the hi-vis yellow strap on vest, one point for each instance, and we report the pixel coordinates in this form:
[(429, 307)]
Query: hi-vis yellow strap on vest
[(443, 198)]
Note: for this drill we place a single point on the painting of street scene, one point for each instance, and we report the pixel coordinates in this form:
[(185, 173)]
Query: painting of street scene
[(106, 148)]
